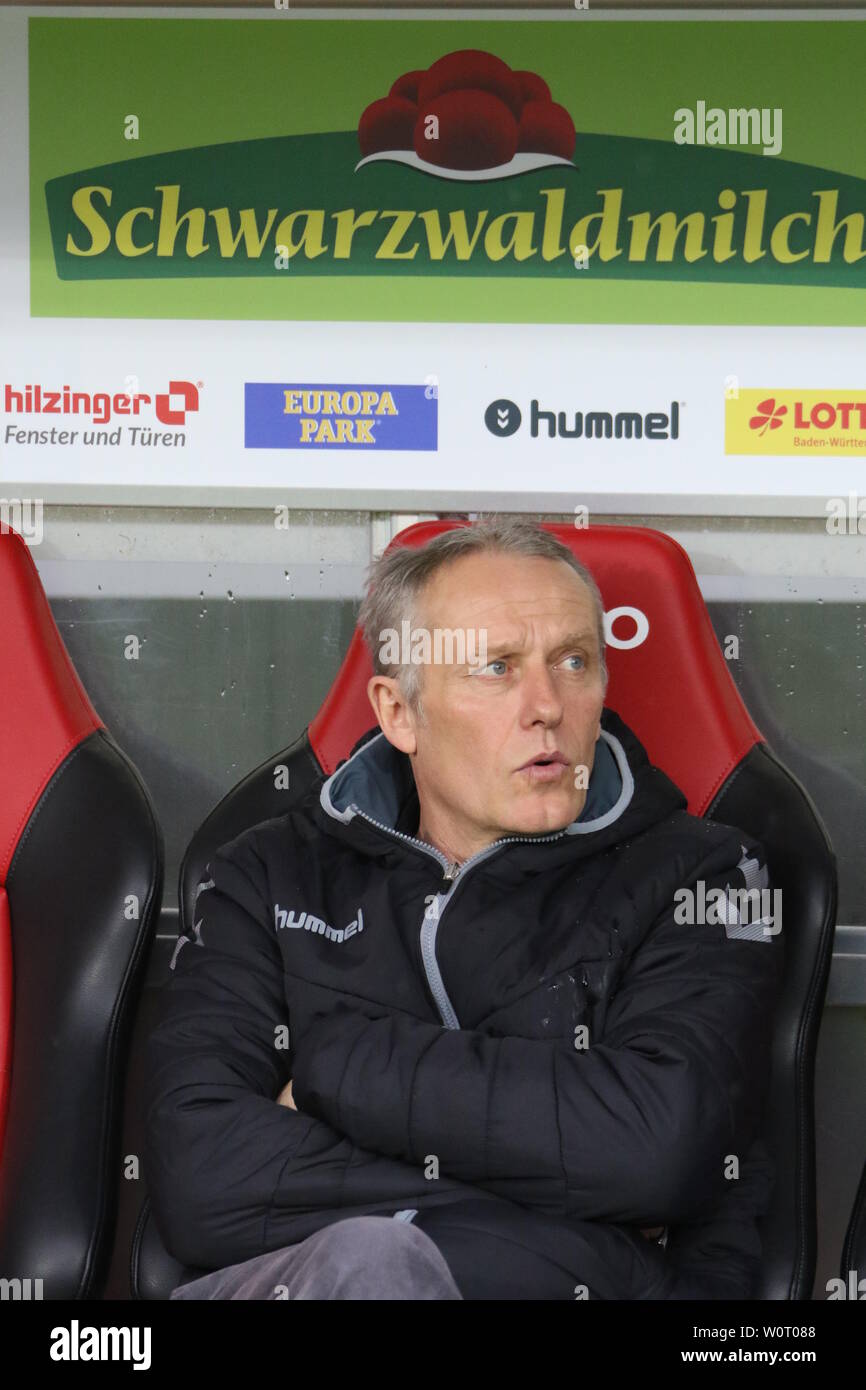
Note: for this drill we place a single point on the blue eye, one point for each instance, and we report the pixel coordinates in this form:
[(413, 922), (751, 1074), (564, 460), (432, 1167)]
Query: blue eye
[(575, 658), (497, 661)]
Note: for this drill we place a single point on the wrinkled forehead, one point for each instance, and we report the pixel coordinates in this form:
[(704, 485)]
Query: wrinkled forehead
[(507, 594)]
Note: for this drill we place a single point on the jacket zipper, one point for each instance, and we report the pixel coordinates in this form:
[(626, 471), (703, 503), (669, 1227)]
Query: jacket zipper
[(451, 872)]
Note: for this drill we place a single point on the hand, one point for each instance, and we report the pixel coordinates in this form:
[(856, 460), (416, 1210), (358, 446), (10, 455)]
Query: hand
[(286, 1098), (321, 1036)]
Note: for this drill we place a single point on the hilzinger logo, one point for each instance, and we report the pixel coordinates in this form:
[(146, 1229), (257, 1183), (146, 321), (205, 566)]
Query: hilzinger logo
[(170, 407), (34, 400), (503, 418), (176, 416), (284, 919)]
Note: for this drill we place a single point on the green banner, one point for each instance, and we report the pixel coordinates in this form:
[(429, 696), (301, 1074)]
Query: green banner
[(448, 170)]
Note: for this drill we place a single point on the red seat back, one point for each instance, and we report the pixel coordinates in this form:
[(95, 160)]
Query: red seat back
[(46, 712), (672, 687)]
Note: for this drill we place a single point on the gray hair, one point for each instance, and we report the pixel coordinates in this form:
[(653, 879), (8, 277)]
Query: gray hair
[(398, 577)]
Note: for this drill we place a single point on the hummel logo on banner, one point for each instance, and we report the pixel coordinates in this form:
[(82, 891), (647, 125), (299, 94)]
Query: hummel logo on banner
[(282, 919)]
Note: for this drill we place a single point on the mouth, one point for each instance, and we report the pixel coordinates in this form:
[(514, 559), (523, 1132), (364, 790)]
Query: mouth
[(545, 767)]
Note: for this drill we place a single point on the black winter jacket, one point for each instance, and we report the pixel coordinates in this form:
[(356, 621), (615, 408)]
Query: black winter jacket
[(539, 1053)]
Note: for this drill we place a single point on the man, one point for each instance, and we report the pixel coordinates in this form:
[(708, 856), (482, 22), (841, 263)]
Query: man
[(444, 1030)]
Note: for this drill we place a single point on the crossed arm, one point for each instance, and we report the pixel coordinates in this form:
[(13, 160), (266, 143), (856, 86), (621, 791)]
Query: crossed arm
[(286, 1098), (636, 1128), (631, 1130)]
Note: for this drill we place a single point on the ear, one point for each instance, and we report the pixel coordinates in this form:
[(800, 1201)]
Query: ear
[(392, 712)]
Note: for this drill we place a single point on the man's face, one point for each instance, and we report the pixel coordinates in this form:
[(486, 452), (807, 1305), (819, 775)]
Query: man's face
[(475, 751)]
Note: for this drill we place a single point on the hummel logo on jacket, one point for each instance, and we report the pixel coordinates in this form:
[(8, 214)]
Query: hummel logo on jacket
[(310, 922), (538, 1045)]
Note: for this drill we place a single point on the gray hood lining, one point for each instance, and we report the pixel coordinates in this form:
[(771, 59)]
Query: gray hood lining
[(366, 784), (612, 813)]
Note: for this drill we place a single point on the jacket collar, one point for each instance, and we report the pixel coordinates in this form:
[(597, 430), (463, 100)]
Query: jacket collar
[(625, 794)]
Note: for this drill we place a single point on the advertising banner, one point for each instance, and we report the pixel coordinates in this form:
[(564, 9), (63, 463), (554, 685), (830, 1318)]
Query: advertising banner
[(585, 259), (171, 160)]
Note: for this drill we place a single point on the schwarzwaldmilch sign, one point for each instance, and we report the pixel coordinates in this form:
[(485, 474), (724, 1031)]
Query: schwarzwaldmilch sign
[(464, 166)]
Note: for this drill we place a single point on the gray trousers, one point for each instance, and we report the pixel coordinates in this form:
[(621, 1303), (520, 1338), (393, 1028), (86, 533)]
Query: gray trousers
[(362, 1257)]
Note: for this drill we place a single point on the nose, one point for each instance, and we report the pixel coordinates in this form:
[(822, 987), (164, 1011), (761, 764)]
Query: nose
[(541, 700)]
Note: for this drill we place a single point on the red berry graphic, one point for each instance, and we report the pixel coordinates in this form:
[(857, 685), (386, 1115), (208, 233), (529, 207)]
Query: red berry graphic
[(472, 68), (475, 131), (387, 124), (532, 87), (407, 85), (546, 128)]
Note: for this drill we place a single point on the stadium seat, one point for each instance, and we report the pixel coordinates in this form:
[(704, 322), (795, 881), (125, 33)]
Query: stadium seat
[(671, 683), (81, 870), (852, 1269)]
